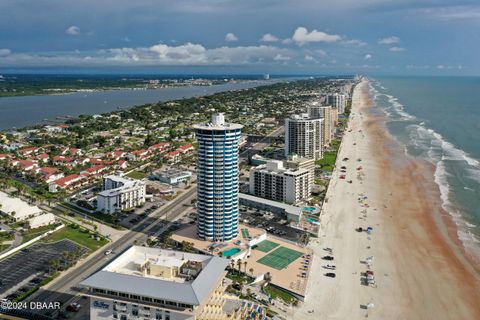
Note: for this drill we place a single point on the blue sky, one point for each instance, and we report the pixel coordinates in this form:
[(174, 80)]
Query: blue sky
[(242, 36)]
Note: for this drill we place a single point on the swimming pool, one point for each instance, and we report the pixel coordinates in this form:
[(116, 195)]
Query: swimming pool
[(309, 209), (312, 220), (230, 252)]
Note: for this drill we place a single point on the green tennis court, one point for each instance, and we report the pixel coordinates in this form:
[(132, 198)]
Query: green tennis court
[(266, 246), (280, 258)]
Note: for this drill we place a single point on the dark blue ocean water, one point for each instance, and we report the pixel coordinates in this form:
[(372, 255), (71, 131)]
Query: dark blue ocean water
[(438, 119)]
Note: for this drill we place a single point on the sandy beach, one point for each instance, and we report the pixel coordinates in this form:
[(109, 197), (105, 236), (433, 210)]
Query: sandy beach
[(419, 272)]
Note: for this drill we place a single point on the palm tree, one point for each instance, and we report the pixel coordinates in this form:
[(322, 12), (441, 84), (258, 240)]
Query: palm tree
[(232, 264), (239, 265), (251, 271), (245, 266)]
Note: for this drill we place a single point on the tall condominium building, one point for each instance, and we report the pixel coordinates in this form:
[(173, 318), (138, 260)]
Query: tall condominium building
[(304, 136), (295, 162), (316, 111), (217, 179), (337, 100), (151, 283), (275, 182), (120, 193)]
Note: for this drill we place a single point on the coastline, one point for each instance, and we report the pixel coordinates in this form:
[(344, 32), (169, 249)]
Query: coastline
[(420, 271)]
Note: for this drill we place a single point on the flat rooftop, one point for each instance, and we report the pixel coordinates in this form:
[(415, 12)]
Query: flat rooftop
[(127, 274), (288, 208), (21, 208)]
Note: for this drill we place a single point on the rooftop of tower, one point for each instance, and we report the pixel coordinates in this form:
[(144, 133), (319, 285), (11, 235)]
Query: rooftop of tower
[(218, 123)]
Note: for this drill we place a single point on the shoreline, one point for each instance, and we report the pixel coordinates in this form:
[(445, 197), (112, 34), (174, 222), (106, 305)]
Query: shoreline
[(447, 224), (418, 273)]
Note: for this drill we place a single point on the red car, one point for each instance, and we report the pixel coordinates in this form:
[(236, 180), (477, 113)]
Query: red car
[(342, 176)]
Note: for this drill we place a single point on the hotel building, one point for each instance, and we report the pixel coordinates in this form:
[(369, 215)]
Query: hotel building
[(304, 136), (217, 179), (120, 193), (152, 283), (275, 182)]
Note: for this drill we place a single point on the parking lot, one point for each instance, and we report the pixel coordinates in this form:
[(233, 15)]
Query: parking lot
[(29, 267), (274, 224)]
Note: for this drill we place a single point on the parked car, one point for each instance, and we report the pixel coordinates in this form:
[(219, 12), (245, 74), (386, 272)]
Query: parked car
[(330, 274)]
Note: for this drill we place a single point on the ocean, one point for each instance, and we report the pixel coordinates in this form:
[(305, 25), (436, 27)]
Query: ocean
[(438, 119)]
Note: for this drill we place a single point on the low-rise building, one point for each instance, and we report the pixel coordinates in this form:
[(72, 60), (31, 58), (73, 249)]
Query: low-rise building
[(275, 182), (172, 176), (120, 193), (151, 283)]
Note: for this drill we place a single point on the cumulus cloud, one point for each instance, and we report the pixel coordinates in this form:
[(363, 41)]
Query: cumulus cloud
[(73, 31), (368, 56), (230, 37), (389, 40), (281, 57), (187, 54), (397, 49), (302, 36), (268, 37), (5, 52)]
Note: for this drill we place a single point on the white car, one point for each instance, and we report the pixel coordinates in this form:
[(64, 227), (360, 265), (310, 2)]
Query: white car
[(108, 252)]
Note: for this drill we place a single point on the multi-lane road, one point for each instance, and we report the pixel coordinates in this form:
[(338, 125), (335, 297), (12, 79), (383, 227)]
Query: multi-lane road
[(65, 287)]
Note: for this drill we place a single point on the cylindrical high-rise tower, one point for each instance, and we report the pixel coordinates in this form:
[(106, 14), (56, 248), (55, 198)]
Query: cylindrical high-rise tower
[(217, 179)]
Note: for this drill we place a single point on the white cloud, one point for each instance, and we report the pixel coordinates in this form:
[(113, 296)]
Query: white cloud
[(356, 42), (280, 57), (389, 40), (230, 37), (188, 54), (301, 36), (5, 52), (287, 41), (321, 53), (73, 31), (368, 56), (397, 49), (268, 37)]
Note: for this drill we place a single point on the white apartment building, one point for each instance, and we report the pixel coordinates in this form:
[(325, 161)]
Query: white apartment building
[(120, 193), (316, 111), (304, 136), (152, 283), (337, 100), (295, 162), (275, 182)]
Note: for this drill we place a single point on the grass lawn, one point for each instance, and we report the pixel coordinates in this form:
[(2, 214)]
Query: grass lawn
[(280, 258), (276, 293), (328, 161), (78, 235), (238, 278), (137, 175), (30, 234), (266, 246), (100, 217)]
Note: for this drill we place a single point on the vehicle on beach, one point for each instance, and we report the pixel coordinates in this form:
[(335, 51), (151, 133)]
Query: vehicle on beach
[(342, 176), (330, 275), (343, 167), (345, 159), (327, 258)]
